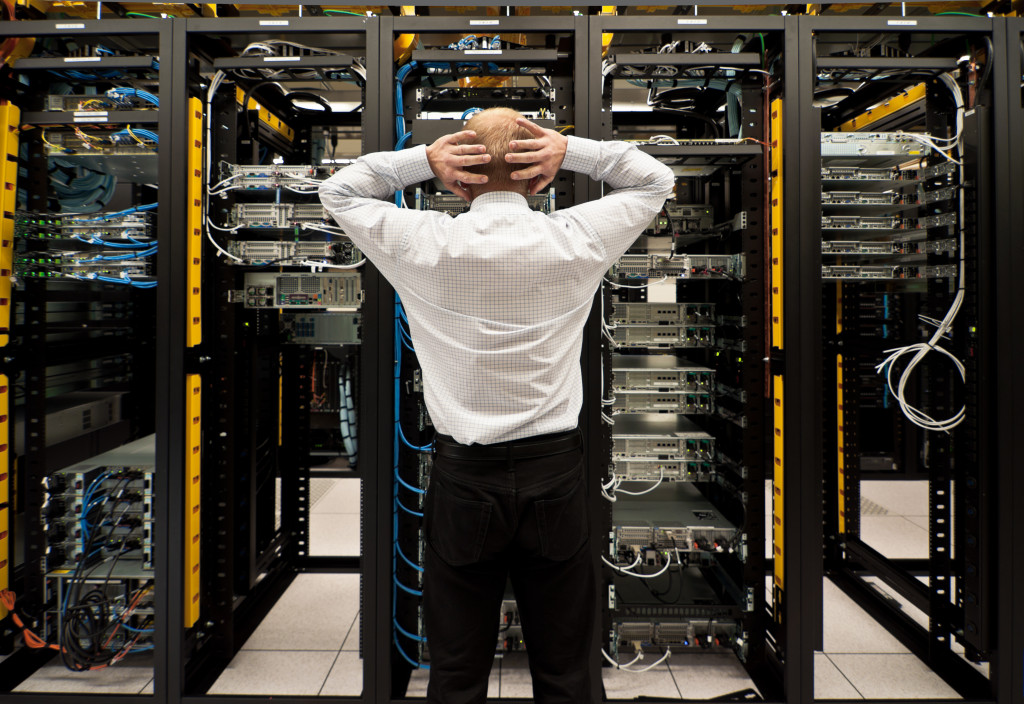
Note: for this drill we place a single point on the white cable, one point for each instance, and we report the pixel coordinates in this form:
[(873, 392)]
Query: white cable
[(648, 490), (650, 283), (640, 656), (921, 349), (625, 570), (316, 267)]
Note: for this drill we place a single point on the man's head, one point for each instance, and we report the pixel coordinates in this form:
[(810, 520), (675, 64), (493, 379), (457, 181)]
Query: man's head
[(495, 128)]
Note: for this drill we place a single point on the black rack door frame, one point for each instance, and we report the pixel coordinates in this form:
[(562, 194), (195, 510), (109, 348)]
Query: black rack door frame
[(1008, 241), (168, 399), (370, 369), (951, 668)]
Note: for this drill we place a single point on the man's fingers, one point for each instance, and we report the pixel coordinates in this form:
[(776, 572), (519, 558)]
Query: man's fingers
[(535, 129), (463, 136), (467, 177), (525, 145), (527, 173), (469, 149), (472, 159), (541, 184), (525, 157)]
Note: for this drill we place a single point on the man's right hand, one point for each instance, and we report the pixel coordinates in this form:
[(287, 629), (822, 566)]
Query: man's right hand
[(545, 153), (448, 159)]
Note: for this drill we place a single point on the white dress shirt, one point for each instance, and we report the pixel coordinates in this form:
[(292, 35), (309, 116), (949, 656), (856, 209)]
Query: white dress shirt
[(497, 297)]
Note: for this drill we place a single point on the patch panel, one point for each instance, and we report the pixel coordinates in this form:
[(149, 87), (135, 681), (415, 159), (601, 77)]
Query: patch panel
[(97, 103)]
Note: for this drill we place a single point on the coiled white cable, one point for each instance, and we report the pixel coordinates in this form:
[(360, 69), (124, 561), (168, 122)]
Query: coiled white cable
[(921, 349)]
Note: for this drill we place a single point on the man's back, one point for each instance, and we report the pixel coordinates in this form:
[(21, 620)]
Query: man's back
[(497, 297)]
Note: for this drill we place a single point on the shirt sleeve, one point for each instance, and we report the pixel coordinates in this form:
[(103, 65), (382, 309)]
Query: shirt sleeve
[(380, 229), (641, 183)]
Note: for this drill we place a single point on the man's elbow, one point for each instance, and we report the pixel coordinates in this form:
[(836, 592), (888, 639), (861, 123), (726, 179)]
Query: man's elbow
[(666, 181)]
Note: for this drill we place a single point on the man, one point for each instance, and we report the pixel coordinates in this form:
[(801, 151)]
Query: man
[(497, 299)]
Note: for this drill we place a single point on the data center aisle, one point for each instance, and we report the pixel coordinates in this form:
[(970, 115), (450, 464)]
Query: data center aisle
[(309, 643)]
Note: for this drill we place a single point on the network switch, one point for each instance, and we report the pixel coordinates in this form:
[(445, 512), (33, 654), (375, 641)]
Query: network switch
[(652, 469), (674, 516), (682, 218), (657, 313), (853, 247), (657, 635), (258, 252), (263, 176), (644, 401), (321, 328), (268, 290), (683, 266), (86, 106), (871, 144), (659, 372), (454, 205), (276, 215), (663, 336), (888, 272), (860, 198), (858, 173), (660, 436)]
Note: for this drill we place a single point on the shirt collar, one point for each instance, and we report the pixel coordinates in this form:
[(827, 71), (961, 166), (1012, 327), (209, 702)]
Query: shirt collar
[(499, 200)]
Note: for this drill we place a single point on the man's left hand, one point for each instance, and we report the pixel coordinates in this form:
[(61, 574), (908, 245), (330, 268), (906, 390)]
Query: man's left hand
[(448, 160)]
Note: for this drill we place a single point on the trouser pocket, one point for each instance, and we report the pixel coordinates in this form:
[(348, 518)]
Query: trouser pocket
[(455, 527), (562, 521)]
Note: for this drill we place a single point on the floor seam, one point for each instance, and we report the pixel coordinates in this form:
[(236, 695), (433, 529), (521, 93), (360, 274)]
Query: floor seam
[(844, 674), (330, 669)]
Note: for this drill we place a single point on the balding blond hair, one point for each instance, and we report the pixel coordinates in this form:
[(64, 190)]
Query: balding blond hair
[(495, 128)]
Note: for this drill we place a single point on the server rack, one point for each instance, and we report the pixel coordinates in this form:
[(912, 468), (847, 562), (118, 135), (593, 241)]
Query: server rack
[(529, 62), (931, 236), (82, 324), (290, 370), (724, 276)]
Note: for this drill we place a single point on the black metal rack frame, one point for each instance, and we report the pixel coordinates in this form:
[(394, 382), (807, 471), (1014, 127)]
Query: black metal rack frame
[(800, 363), (746, 162)]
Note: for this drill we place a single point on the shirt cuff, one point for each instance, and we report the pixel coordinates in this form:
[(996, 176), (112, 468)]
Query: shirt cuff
[(411, 165), (581, 155)]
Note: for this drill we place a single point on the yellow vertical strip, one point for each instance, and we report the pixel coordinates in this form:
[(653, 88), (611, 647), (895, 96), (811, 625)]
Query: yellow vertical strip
[(840, 445), (5, 552), (5, 496), (5, 435), (775, 152), (195, 224), (778, 499), (10, 116), (193, 504)]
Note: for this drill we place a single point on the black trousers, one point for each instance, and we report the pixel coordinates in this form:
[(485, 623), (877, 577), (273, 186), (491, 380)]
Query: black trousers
[(490, 519)]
